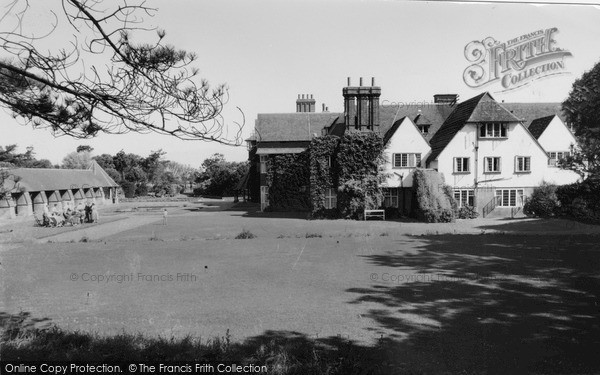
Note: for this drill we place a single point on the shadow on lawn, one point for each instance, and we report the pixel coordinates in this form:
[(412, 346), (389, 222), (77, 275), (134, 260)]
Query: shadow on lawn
[(491, 303), (283, 352), (527, 224), (499, 304)]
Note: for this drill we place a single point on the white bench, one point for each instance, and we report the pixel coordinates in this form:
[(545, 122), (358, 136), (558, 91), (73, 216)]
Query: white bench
[(375, 213)]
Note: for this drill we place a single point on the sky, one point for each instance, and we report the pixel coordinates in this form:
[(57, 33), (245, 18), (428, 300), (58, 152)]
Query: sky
[(268, 52)]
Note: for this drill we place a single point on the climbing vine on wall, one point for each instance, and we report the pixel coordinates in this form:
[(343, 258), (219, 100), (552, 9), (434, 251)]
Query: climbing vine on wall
[(359, 158), (288, 181), (323, 174)]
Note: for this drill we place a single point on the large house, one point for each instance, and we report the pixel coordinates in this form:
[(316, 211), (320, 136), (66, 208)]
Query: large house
[(493, 154), (30, 189)]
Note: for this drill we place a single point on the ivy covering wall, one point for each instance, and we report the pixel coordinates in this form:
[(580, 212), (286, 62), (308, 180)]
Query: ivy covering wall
[(348, 164), (323, 173), (359, 158), (288, 180)]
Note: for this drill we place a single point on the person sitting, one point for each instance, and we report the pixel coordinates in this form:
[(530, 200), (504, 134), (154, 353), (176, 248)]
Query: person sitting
[(46, 219), (57, 220)]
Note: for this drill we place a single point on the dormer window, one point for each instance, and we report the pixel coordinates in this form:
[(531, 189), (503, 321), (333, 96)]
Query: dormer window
[(424, 129), (493, 130)]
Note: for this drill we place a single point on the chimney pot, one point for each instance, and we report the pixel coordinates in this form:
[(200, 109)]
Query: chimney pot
[(311, 96), (360, 82), (302, 96), (298, 96), (349, 83), (372, 81)]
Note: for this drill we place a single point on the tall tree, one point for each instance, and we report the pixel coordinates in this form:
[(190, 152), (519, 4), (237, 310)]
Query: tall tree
[(582, 109), (100, 80), (77, 160)]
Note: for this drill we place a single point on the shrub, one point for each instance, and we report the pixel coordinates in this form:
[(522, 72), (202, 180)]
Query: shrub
[(245, 235), (313, 235), (356, 196), (433, 200), (467, 212), (128, 189), (543, 202)]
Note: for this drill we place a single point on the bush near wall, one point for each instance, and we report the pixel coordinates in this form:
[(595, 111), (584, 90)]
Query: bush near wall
[(288, 181), (323, 174), (433, 201), (543, 202)]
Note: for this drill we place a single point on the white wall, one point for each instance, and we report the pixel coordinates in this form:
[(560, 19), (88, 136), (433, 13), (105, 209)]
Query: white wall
[(557, 137), (518, 143), (406, 139)]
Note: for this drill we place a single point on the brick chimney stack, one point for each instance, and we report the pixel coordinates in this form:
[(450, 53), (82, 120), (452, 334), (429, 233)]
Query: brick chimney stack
[(305, 104), (445, 98), (361, 106)]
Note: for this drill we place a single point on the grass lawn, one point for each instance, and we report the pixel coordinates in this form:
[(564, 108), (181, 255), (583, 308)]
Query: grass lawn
[(502, 297)]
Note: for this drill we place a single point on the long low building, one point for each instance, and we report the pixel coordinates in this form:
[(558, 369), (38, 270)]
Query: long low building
[(30, 189)]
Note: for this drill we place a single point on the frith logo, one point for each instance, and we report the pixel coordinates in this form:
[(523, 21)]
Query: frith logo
[(514, 63)]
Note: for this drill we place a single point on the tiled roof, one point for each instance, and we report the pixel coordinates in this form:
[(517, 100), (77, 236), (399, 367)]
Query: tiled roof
[(435, 113), (527, 112), (537, 126), (421, 119), (300, 126), (478, 109), (452, 125), (43, 179)]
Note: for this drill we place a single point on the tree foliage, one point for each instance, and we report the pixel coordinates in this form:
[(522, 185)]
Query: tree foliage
[(220, 177), (9, 157), (77, 160), (582, 109), (99, 80)]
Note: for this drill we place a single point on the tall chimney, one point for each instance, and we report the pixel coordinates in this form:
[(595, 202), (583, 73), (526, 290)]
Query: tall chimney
[(361, 106), (305, 103)]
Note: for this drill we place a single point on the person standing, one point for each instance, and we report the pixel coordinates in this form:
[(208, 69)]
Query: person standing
[(165, 214), (94, 213)]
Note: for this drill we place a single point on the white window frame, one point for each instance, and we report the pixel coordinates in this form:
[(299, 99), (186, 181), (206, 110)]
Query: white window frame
[(406, 160), (462, 165), (464, 196), (263, 163), (486, 164), (424, 129), (525, 166), (555, 156), (330, 199), (510, 197), (493, 130)]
